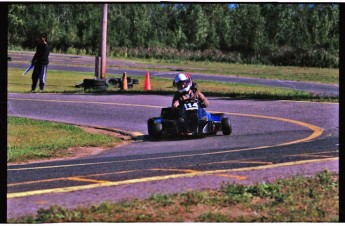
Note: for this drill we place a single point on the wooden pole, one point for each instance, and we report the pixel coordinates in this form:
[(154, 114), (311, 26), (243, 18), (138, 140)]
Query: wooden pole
[(98, 67), (104, 40), (124, 81)]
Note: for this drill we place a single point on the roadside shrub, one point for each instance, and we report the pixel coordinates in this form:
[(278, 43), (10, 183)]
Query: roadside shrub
[(269, 55), (289, 56), (72, 50), (239, 193)]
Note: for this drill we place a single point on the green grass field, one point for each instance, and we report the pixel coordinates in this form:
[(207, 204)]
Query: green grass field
[(34, 140), (306, 74), (298, 199), (64, 82)]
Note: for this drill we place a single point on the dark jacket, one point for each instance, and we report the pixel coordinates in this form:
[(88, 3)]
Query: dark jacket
[(41, 55)]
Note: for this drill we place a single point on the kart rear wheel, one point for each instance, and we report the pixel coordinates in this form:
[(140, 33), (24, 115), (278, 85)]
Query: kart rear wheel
[(154, 128), (226, 126)]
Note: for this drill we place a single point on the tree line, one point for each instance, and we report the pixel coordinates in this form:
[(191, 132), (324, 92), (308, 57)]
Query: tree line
[(275, 34)]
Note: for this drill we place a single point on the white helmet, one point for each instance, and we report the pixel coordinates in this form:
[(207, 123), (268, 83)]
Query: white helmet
[(183, 82)]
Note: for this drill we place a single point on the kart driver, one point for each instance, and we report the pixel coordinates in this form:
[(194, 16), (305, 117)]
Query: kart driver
[(186, 90)]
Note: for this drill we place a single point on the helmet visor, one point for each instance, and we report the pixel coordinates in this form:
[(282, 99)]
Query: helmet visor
[(182, 84)]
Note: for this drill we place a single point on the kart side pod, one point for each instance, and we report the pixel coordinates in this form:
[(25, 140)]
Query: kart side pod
[(169, 113)]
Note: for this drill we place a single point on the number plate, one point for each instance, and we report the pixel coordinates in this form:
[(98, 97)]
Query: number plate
[(191, 106)]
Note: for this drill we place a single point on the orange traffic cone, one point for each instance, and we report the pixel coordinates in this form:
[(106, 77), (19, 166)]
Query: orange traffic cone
[(147, 83), (124, 81)]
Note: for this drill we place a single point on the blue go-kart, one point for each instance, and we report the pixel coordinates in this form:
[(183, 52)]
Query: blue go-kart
[(188, 121)]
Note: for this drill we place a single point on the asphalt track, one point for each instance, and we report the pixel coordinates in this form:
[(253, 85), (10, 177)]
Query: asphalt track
[(271, 139)]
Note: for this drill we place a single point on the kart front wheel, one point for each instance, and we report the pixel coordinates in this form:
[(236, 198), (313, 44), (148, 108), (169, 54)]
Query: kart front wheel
[(154, 128), (226, 126)]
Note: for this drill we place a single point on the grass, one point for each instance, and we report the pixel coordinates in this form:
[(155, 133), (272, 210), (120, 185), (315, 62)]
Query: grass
[(294, 73), (30, 139), (297, 199), (57, 81), (306, 74), (64, 82)]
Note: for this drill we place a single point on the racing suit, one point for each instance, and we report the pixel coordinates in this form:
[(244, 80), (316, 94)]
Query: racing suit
[(192, 94)]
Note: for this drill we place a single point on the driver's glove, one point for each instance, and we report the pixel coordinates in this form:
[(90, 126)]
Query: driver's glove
[(202, 104), (176, 104)]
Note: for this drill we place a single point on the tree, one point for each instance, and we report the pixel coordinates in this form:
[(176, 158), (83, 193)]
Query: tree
[(139, 24), (196, 26), (248, 30), (16, 22), (218, 28), (290, 34)]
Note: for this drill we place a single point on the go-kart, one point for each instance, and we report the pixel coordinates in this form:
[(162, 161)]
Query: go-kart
[(187, 120)]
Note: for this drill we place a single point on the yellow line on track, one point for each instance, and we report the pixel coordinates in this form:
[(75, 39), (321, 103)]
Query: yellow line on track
[(316, 131), (137, 160), (35, 181), (84, 179), (238, 161), (231, 176), (176, 170), (80, 179), (66, 178), (84, 102), (318, 155), (158, 178)]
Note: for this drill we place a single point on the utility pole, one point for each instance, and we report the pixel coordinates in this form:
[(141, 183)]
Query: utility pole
[(103, 54)]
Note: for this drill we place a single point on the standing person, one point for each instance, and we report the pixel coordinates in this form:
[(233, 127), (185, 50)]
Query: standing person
[(40, 61), (183, 83)]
